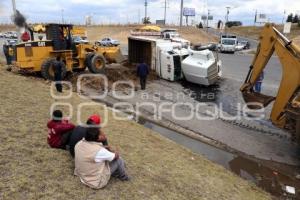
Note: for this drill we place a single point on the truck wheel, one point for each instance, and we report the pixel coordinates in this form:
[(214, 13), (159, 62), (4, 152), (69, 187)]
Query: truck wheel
[(88, 60), (47, 69), (97, 64)]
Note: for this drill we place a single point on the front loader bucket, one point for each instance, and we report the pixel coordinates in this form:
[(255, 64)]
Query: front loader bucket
[(113, 54), (118, 56), (255, 100)]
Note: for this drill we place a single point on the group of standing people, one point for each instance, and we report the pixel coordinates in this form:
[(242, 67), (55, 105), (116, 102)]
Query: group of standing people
[(95, 160)]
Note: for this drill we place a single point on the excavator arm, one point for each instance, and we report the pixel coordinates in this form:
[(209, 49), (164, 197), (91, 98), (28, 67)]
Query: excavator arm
[(286, 107)]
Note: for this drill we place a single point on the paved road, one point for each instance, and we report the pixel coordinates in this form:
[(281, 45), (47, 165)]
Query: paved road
[(236, 67)]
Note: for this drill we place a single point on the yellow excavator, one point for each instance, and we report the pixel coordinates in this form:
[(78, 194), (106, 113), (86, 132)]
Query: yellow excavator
[(52, 40), (286, 108)]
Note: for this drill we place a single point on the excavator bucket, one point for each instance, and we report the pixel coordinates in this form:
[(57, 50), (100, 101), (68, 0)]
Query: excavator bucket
[(255, 100)]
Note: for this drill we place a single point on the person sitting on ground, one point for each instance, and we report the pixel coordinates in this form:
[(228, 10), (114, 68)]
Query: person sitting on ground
[(59, 130), (94, 164), (80, 131)]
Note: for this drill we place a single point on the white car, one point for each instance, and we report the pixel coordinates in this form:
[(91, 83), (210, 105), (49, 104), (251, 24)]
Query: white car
[(239, 46), (107, 42), (80, 40)]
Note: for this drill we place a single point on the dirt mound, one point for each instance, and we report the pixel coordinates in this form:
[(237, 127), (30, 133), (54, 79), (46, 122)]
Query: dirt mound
[(113, 74)]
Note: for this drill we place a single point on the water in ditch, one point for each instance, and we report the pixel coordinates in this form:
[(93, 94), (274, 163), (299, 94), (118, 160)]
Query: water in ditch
[(265, 177)]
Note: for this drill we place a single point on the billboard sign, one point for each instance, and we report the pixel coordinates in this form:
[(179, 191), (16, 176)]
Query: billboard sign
[(189, 12), (261, 18), (204, 17), (287, 27)]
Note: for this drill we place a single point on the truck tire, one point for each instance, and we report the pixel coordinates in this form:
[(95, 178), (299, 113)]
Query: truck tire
[(47, 69), (97, 64), (88, 60)]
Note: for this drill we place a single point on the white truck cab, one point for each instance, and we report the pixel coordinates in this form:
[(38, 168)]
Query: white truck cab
[(228, 43)]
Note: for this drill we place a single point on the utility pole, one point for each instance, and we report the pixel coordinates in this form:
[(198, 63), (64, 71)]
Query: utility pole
[(208, 13), (139, 16), (146, 4), (227, 13), (14, 7), (227, 17), (62, 16), (165, 15), (181, 10)]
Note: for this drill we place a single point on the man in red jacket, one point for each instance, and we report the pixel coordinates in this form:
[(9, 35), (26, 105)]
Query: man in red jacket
[(59, 130)]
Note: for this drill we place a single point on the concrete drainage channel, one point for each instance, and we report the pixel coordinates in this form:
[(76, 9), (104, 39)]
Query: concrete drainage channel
[(277, 179)]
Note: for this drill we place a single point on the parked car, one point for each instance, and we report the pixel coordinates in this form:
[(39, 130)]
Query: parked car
[(246, 44), (107, 42), (210, 46), (11, 35), (80, 40), (239, 46), (12, 42), (1, 35)]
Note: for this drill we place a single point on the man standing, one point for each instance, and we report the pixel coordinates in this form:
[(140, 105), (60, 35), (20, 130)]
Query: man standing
[(6, 53), (258, 83), (58, 73), (142, 72), (94, 164)]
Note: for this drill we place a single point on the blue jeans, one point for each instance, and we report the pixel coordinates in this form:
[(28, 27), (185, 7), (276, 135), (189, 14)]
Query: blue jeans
[(258, 87)]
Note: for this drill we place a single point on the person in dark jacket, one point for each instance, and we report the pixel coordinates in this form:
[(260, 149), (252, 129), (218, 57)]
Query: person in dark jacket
[(80, 132), (58, 73), (59, 130), (142, 72), (6, 54)]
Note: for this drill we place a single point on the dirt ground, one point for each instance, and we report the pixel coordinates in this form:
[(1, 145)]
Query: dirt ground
[(160, 169)]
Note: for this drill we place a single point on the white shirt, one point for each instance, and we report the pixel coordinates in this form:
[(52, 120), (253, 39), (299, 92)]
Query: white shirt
[(104, 155)]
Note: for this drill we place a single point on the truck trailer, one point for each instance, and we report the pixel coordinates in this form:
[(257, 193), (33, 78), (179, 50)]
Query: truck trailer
[(173, 60)]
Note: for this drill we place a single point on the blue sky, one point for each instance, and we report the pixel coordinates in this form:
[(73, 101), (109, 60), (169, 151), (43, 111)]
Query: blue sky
[(123, 11)]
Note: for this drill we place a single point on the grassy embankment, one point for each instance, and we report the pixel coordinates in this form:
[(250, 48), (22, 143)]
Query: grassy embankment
[(254, 32), (160, 169)]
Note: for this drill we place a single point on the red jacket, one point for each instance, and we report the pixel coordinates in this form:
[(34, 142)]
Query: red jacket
[(56, 130)]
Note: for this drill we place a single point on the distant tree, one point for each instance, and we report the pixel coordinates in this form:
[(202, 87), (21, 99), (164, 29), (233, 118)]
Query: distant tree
[(146, 20), (296, 19), (233, 23), (290, 18)]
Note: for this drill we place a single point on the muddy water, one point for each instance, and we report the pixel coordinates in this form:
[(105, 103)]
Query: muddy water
[(272, 181)]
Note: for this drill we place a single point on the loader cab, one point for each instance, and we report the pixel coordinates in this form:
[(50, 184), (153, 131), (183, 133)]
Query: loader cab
[(60, 35)]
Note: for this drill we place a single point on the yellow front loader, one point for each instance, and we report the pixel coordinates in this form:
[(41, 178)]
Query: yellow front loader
[(286, 108), (38, 54)]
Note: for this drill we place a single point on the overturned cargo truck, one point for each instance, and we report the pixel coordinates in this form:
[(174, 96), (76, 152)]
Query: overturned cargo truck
[(174, 61)]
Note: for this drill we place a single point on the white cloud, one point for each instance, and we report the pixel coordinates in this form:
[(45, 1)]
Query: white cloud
[(121, 11)]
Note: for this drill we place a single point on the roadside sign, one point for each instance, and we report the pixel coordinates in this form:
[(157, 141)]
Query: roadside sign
[(287, 27), (189, 12)]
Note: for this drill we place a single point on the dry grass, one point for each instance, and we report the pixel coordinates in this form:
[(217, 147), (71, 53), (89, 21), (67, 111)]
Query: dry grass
[(297, 40), (160, 169), (254, 31), (121, 33)]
